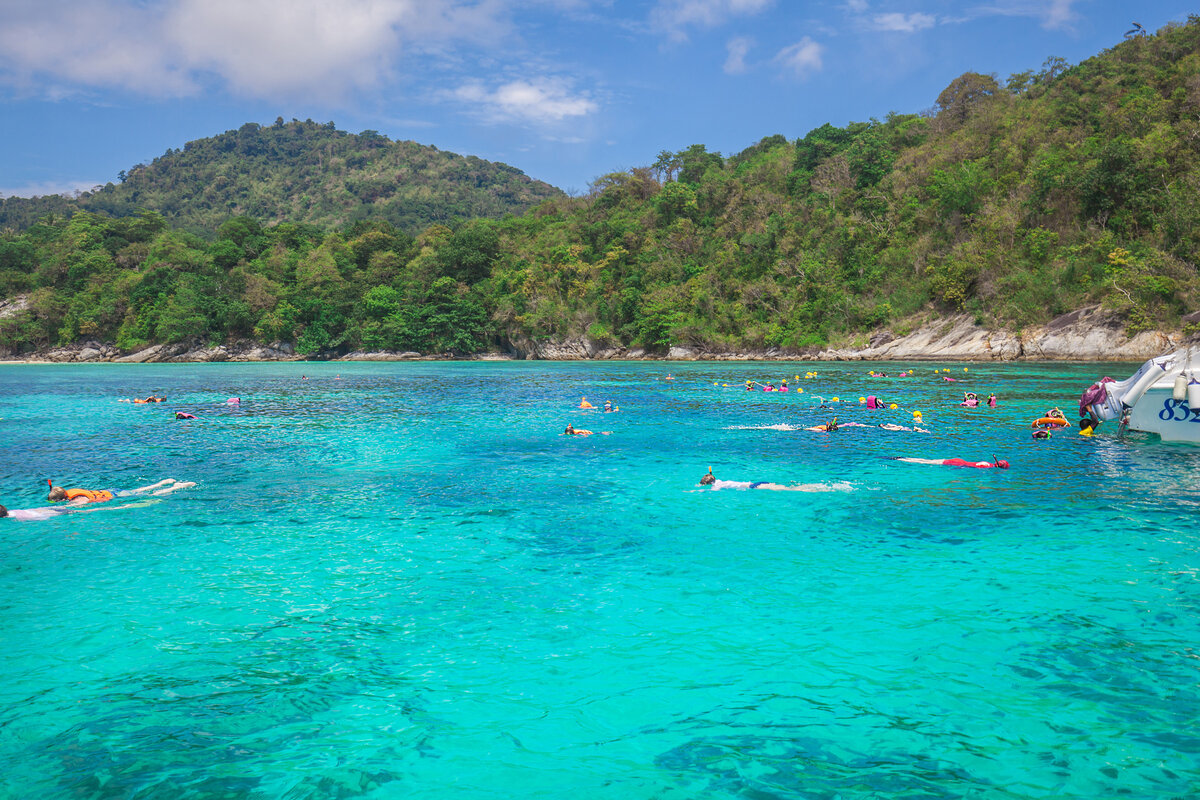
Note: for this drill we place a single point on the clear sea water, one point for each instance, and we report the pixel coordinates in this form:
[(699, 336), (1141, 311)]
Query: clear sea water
[(403, 581)]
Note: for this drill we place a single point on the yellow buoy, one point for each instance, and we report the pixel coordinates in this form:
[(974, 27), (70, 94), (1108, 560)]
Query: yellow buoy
[(799, 389), (893, 405), (862, 399), (965, 369), (837, 399)]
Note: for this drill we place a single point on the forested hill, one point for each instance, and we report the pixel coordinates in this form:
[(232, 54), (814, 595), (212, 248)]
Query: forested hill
[(1014, 200), (301, 172)]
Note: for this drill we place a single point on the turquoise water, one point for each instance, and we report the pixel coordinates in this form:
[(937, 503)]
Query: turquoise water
[(402, 581)]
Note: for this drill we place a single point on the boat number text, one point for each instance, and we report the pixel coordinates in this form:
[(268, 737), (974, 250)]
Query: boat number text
[(1177, 410)]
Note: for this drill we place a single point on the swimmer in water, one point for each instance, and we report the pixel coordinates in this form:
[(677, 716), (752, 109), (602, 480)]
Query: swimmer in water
[(998, 463), (78, 497), (73, 504), (33, 514), (828, 427), (573, 431), (711, 480)]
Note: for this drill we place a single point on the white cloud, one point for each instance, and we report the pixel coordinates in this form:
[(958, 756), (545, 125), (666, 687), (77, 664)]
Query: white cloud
[(904, 23), (1054, 14), (802, 58), (68, 188), (261, 48), (1058, 15), (675, 16), (856, 6), (737, 48), (537, 102)]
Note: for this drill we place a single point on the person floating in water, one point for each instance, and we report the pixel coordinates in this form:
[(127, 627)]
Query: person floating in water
[(1087, 426), (609, 407), (184, 415), (828, 427), (75, 501), (573, 431), (991, 401), (583, 403), (711, 480), (80, 497), (998, 463)]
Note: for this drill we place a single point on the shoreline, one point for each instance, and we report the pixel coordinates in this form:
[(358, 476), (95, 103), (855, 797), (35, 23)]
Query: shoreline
[(1085, 335)]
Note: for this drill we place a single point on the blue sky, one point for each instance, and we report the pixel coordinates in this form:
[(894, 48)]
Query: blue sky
[(566, 90)]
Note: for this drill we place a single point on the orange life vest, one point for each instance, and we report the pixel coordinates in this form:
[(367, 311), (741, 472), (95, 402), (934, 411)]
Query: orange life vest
[(92, 495)]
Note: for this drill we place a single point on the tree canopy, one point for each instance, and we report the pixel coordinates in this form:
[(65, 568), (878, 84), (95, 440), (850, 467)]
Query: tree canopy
[(1014, 203)]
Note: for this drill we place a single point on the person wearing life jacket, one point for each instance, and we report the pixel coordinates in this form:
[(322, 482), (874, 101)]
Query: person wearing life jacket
[(79, 496), (82, 496)]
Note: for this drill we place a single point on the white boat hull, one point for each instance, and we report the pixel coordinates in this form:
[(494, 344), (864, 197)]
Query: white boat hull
[(1157, 412), (1162, 397)]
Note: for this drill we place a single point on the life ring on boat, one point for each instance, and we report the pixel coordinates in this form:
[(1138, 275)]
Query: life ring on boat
[(1051, 422)]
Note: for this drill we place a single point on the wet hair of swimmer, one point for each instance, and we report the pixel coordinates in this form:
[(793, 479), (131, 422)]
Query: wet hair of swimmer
[(3, 512), (709, 478), (57, 493)]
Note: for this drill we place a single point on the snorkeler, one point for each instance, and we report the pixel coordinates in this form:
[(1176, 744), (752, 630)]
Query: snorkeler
[(828, 427), (957, 462), (573, 431), (78, 497), (74, 503), (711, 480)]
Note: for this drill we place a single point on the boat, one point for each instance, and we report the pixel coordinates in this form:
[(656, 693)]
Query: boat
[(1162, 397)]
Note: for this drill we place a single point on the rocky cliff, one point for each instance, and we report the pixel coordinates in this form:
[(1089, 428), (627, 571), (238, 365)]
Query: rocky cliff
[(1089, 334)]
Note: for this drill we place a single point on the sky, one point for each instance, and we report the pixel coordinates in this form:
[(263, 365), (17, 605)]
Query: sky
[(565, 90)]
